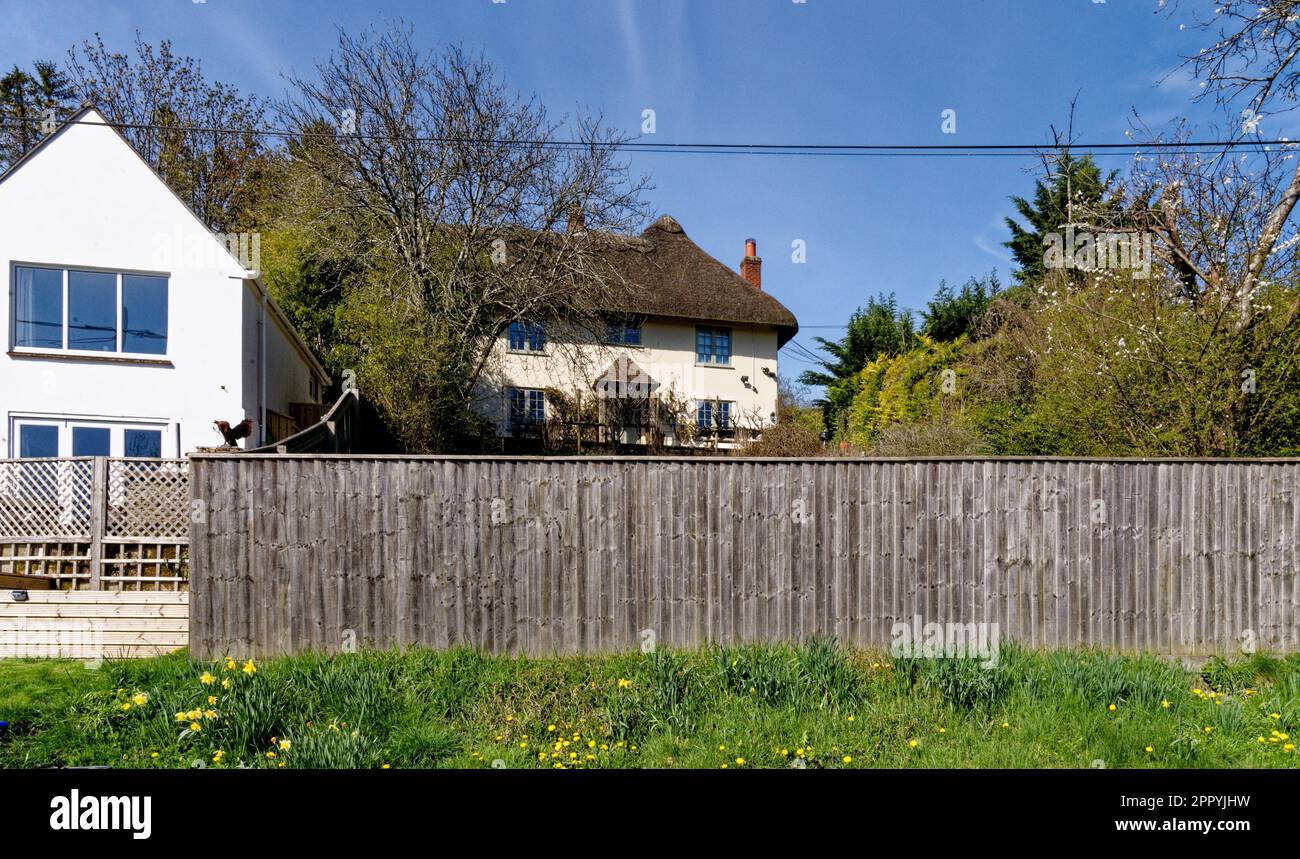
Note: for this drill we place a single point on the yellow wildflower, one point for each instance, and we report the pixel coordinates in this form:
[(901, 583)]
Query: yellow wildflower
[(207, 678), (250, 668)]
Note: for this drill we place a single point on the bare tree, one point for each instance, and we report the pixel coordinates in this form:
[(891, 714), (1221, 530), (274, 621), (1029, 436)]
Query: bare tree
[(468, 206), (1250, 73), (202, 137)]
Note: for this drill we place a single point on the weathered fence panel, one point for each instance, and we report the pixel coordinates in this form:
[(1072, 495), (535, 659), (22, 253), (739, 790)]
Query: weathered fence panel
[(588, 555)]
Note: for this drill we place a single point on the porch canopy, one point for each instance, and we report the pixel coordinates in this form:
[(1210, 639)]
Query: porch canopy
[(625, 380)]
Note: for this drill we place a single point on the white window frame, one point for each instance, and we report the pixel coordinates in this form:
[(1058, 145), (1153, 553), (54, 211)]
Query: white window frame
[(116, 427), (64, 350)]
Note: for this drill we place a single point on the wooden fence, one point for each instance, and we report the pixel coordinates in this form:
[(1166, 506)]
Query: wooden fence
[(92, 625), (589, 555), (96, 523)]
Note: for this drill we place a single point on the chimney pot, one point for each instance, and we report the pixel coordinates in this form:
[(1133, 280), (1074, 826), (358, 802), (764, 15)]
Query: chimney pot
[(751, 267)]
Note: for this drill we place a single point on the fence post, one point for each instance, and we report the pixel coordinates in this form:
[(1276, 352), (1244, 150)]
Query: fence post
[(98, 501)]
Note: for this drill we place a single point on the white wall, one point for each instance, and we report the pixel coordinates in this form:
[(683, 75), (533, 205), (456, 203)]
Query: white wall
[(667, 355), (87, 201)]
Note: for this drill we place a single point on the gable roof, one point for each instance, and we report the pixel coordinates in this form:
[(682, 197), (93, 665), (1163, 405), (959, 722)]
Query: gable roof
[(667, 274), (78, 118)]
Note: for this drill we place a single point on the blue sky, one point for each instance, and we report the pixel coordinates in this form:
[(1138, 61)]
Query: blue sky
[(767, 71)]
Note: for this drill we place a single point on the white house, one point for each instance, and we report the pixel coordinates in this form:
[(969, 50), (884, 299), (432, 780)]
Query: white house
[(128, 326), (688, 358)]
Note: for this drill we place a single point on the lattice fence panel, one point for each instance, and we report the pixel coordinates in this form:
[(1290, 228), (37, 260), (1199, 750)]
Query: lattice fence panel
[(46, 498), (67, 564), (148, 499), (141, 566)]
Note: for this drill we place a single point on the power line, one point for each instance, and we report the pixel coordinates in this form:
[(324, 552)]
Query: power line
[(873, 149)]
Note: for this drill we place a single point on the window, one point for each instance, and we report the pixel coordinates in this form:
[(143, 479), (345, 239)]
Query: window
[(38, 440), (71, 436), (142, 443), (527, 406), (92, 311), (526, 337), (89, 311), (623, 334), (713, 346), (38, 308), (90, 441), (144, 314), (713, 414)]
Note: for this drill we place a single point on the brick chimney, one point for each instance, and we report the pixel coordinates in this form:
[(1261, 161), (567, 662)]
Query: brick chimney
[(577, 221), (751, 267)]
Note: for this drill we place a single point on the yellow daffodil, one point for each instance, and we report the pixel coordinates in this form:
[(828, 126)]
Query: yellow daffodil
[(284, 745), (207, 678), (218, 755), (195, 727), (126, 705), (140, 699), (249, 668), (270, 754)]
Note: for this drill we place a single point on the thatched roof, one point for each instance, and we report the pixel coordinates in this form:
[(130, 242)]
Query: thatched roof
[(667, 274)]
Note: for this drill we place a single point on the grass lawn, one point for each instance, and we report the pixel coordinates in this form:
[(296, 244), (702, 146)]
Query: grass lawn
[(755, 706)]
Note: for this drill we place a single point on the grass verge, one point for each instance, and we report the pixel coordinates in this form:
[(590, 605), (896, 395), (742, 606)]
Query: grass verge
[(814, 706)]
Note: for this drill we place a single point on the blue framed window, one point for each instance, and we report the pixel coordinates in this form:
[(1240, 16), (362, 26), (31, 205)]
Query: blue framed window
[(142, 443), (526, 337), (713, 415), (623, 334), (38, 440), (713, 346), (89, 311), (527, 406)]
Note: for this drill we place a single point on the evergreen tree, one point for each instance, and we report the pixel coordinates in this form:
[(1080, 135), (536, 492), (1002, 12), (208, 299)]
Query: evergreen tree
[(24, 98), (1074, 191)]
